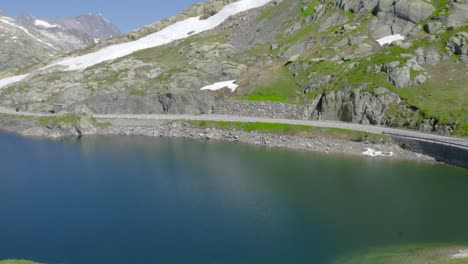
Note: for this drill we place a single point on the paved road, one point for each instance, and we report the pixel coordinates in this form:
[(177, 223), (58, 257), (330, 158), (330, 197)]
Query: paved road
[(328, 124), (461, 142)]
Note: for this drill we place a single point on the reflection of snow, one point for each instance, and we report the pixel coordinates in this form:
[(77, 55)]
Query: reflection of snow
[(390, 39), (462, 254), (374, 153), (220, 85), (10, 80)]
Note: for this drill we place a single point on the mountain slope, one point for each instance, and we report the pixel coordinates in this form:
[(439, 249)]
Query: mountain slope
[(28, 40), (306, 59)]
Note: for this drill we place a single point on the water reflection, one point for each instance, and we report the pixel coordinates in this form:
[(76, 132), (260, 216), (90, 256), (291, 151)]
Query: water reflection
[(138, 199)]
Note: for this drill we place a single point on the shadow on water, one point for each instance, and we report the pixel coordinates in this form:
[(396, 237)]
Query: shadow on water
[(143, 200)]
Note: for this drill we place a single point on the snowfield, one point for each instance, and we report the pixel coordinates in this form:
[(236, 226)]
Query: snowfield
[(10, 80), (220, 85), (390, 39), (44, 24), (177, 31)]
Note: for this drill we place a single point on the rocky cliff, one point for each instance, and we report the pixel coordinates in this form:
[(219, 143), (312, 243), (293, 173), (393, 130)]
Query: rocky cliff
[(397, 63)]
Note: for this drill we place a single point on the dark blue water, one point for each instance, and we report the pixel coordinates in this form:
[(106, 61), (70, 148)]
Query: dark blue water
[(116, 200)]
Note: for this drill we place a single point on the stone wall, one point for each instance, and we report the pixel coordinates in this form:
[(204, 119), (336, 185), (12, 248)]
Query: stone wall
[(261, 109), (450, 154)]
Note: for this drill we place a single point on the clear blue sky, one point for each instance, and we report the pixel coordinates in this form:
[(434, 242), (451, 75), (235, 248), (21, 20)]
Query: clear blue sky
[(126, 14)]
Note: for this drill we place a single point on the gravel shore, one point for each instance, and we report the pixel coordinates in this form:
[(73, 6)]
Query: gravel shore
[(181, 129)]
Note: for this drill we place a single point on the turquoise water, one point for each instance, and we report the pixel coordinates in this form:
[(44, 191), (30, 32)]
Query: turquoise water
[(112, 200)]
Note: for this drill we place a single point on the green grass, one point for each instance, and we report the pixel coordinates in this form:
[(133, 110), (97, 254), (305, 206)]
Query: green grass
[(58, 120), (441, 7), (294, 130), (260, 97), (135, 91), (407, 254), (15, 261), (444, 96), (276, 85)]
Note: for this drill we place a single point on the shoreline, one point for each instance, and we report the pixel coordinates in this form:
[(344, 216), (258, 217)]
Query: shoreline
[(183, 129)]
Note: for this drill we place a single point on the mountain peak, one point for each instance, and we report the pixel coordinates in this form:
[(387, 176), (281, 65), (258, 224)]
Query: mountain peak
[(93, 24)]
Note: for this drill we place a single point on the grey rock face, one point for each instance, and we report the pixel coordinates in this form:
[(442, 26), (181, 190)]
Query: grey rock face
[(458, 15), (433, 57), (170, 103), (357, 6), (399, 17), (318, 83), (458, 44), (413, 10), (401, 77), (334, 19), (384, 6), (357, 106), (389, 67)]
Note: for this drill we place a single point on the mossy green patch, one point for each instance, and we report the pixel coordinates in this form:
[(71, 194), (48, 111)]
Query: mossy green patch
[(444, 96), (260, 97), (15, 261), (442, 7), (58, 120), (278, 85), (406, 254)]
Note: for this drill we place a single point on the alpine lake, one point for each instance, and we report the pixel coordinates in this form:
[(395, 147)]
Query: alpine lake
[(128, 199)]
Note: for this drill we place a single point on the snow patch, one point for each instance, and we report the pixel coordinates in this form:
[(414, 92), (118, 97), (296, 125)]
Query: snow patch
[(11, 80), (461, 255), (390, 39), (374, 153), (167, 35), (220, 85), (7, 18), (44, 24)]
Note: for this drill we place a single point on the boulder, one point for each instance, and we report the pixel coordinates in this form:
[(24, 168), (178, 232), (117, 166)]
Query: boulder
[(389, 67), (400, 77), (363, 50), (384, 6), (433, 57), (458, 45), (458, 15), (413, 10), (433, 27)]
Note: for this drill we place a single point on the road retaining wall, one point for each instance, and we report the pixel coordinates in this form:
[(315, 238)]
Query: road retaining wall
[(448, 153)]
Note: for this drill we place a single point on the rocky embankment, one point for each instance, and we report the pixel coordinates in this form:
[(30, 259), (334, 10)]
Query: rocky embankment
[(181, 129)]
